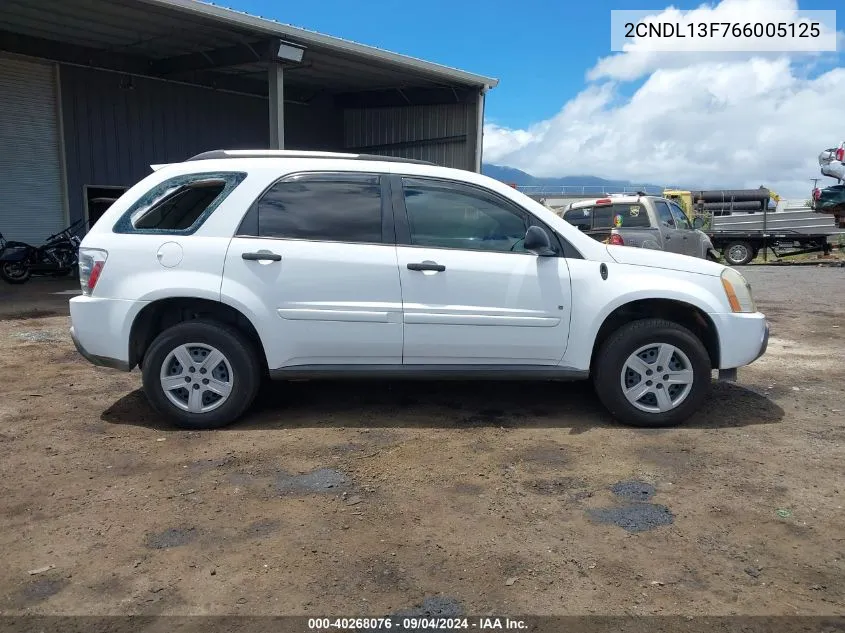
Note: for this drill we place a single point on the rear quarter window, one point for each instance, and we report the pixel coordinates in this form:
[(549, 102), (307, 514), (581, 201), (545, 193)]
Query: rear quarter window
[(179, 205)]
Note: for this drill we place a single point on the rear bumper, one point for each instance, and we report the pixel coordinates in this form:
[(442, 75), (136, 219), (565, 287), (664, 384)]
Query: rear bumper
[(100, 329), (100, 361)]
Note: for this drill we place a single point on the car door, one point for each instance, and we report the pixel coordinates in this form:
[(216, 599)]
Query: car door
[(690, 240), (470, 293), (673, 238), (314, 262)]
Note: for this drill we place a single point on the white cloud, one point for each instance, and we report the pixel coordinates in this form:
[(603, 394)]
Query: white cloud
[(700, 119)]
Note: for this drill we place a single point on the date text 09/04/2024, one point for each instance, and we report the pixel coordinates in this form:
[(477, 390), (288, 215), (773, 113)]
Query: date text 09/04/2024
[(416, 624), (723, 29)]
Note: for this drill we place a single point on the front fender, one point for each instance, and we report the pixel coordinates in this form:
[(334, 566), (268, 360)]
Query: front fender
[(594, 300)]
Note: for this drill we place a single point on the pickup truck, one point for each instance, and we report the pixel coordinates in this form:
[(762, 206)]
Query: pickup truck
[(640, 220)]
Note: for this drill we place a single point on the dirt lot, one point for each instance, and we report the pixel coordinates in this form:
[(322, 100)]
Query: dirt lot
[(371, 498)]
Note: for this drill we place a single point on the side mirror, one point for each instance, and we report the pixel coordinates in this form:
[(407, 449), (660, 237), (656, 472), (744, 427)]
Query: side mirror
[(697, 222), (537, 241)]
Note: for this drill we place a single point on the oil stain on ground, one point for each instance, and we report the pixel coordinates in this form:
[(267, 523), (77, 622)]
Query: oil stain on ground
[(634, 517), (42, 589), (637, 515)]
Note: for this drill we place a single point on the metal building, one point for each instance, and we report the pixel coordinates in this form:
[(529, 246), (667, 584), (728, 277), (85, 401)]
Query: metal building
[(94, 91)]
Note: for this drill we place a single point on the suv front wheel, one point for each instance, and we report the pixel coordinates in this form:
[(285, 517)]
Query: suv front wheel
[(652, 373), (201, 374)]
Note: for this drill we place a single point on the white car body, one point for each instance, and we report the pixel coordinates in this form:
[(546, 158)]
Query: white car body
[(329, 307)]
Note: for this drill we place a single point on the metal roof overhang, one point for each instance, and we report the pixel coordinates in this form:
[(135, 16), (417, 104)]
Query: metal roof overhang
[(198, 43)]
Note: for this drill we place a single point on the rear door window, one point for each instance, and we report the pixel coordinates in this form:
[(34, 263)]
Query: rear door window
[(324, 207)]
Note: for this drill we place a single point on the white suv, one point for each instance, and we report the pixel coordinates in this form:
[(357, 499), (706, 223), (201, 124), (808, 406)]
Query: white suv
[(235, 265)]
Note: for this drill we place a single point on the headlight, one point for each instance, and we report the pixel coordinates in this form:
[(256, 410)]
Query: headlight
[(738, 291)]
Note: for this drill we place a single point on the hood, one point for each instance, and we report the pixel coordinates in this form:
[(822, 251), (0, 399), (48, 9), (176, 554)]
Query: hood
[(661, 259)]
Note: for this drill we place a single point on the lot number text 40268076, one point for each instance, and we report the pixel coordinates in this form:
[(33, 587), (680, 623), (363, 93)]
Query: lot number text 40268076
[(416, 624)]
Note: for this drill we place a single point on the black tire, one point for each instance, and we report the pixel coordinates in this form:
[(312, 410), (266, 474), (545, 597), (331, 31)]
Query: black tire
[(15, 273), (610, 362), (738, 253), (238, 350)]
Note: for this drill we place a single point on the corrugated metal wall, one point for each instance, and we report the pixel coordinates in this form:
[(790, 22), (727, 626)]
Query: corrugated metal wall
[(31, 187), (114, 129), (440, 133)]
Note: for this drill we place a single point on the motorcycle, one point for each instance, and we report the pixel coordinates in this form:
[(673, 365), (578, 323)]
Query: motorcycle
[(57, 257)]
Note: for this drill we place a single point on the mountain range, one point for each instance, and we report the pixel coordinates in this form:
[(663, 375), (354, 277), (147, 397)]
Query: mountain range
[(518, 177)]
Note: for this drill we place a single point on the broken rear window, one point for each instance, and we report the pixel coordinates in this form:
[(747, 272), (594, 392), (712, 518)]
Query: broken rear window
[(178, 205)]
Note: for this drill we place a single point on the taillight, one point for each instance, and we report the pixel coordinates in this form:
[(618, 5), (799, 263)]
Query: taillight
[(817, 194), (616, 240), (91, 262), (840, 154)]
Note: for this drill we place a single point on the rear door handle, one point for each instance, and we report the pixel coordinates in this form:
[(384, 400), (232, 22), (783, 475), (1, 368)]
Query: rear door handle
[(260, 257), (427, 266)]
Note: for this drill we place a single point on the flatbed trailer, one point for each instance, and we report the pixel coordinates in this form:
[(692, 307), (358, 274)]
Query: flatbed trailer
[(741, 247), (789, 230)]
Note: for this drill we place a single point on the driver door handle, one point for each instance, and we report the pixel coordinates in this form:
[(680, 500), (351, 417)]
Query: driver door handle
[(427, 266)]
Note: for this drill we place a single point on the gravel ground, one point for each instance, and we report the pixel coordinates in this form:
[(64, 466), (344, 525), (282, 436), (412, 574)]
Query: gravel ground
[(378, 498)]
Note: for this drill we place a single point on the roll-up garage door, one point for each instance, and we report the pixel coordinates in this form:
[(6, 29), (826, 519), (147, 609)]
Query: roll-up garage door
[(31, 184)]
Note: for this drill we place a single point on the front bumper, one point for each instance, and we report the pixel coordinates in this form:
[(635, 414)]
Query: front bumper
[(99, 361), (743, 338), (764, 344), (729, 375)]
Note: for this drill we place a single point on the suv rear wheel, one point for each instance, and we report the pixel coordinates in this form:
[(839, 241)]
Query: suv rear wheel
[(652, 373), (201, 374)]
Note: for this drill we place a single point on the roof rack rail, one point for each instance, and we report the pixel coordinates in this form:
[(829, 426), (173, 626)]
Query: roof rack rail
[(283, 153)]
